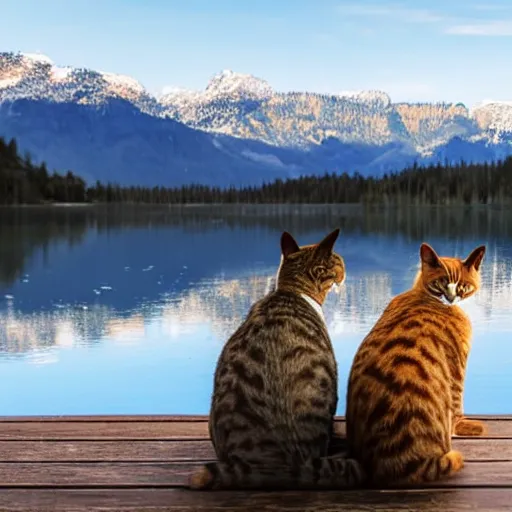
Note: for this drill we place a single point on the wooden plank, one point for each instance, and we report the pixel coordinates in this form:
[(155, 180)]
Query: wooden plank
[(93, 451), (163, 474), (167, 418), (167, 500), (103, 430), (116, 418), (479, 449), (157, 430), (149, 451)]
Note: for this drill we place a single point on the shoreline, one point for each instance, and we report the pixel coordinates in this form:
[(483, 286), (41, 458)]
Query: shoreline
[(391, 206)]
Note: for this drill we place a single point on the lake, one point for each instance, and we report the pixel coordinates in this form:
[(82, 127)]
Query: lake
[(125, 309)]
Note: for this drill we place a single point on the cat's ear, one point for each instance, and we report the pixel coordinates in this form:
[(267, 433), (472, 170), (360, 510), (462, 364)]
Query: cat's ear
[(327, 244), (288, 244), (475, 258), (429, 256)]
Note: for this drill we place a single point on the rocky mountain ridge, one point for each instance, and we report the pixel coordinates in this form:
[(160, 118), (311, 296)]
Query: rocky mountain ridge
[(299, 119), (238, 129)]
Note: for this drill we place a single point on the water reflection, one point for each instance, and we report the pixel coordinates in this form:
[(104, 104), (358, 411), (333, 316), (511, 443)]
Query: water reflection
[(123, 306), (222, 303)]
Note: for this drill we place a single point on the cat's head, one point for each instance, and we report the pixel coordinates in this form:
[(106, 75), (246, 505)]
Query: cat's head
[(449, 279), (310, 269)]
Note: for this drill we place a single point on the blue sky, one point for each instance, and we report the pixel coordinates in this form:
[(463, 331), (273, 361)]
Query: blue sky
[(456, 50)]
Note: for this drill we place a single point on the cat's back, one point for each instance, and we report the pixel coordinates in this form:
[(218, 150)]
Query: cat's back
[(403, 365), (278, 320), (277, 364), (282, 335), (409, 313), (412, 337), (281, 349)]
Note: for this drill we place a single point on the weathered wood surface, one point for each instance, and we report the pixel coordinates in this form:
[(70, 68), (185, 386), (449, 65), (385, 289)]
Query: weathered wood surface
[(139, 463), (162, 428), (183, 451), (175, 474), (174, 500)]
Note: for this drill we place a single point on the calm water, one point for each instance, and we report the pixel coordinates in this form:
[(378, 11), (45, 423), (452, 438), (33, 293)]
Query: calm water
[(125, 310)]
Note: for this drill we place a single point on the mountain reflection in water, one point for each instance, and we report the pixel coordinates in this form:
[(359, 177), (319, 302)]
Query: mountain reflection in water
[(125, 309)]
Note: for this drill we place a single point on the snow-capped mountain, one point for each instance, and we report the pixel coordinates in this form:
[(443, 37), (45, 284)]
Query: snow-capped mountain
[(238, 129), (230, 84), (245, 106), (302, 119), (372, 96), (495, 119), (219, 108), (36, 77)]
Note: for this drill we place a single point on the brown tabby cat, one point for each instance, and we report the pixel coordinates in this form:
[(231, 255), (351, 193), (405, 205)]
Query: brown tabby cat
[(405, 388), (275, 386)]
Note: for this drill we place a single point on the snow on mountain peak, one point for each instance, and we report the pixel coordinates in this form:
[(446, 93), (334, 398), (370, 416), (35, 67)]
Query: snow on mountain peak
[(370, 96), (35, 76), (488, 101), (230, 83), (38, 57), (178, 99), (59, 74), (226, 84), (493, 116), (171, 89), (122, 83), (170, 92)]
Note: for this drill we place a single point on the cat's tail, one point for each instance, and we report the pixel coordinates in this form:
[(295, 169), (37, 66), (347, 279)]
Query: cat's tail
[(436, 468), (334, 472), (467, 427)]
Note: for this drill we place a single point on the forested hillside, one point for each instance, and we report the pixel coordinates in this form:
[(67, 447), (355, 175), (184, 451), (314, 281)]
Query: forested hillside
[(22, 182)]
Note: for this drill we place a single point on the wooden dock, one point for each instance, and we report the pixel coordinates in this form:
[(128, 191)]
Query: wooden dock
[(141, 463)]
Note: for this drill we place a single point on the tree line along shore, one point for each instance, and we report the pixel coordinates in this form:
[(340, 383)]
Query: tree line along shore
[(23, 182)]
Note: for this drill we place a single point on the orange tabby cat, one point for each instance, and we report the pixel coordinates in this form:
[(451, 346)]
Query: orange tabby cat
[(404, 398)]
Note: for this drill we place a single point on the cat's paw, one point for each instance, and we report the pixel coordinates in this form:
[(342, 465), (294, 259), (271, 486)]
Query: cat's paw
[(467, 427), (201, 479)]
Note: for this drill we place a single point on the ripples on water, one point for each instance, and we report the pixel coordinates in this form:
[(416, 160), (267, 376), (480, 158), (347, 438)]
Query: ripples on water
[(125, 310)]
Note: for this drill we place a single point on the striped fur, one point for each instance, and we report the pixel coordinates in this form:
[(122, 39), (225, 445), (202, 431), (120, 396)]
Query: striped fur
[(404, 398), (275, 386)]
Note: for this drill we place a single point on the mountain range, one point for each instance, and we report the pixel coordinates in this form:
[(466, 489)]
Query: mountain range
[(237, 131)]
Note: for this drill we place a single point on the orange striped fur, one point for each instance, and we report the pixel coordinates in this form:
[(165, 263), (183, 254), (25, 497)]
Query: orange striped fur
[(405, 389)]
